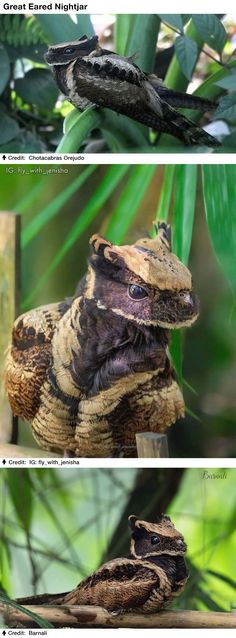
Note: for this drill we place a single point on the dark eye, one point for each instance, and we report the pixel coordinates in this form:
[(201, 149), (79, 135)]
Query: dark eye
[(136, 292), (155, 539), (69, 50)]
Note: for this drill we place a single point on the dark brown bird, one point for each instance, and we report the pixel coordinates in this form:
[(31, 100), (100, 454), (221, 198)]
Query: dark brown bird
[(90, 75), (92, 371), (146, 581)]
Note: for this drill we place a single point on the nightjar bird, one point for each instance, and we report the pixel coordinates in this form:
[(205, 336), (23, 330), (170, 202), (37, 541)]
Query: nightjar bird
[(144, 582), (91, 371), (89, 75)]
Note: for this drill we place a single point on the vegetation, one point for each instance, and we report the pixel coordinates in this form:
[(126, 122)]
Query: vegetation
[(32, 116), (62, 524)]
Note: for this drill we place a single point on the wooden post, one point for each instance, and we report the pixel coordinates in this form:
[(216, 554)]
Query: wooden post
[(9, 307), (151, 445)]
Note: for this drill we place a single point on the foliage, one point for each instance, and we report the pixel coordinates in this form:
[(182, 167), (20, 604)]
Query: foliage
[(78, 519), (32, 117), (31, 121)]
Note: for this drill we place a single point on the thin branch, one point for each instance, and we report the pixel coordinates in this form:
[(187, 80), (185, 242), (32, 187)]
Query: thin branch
[(91, 616)]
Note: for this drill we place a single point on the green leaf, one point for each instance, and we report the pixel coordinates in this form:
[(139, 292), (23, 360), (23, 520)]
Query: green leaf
[(166, 193), (143, 40), (61, 28), (231, 524), (226, 579), (175, 78), (54, 206), (98, 198), (29, 197), (228, 82), (38, 87), (182, 227), (129, 201), (186, 51), (9, 128), (5, 565), (219, 192), (22, 499), (173, 20), (227, 108), (37, 619), (184, 208), (186, 17), (25, 142), (78, 129), (211, 30), (5, 68), (123, 30), (206, 599)]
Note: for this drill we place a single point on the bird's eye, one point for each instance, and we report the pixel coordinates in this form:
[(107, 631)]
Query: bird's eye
[(136, 292), (69, 50), (155, 539)]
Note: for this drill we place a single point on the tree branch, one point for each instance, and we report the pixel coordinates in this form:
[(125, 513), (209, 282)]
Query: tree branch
[(91, 616)]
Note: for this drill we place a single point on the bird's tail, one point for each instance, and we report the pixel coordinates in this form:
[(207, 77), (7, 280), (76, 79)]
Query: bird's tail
[(174, 123), (41, 599), (177, 99), (188, 131)]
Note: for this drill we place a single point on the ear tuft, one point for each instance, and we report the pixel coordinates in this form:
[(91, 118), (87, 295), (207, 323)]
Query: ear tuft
[(163, 231), (167, 520), (132, 521), (99, 244)]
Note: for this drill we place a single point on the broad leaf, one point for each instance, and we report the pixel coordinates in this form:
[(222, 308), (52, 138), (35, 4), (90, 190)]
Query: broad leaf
[(61, 28), (4, 68), (173, 20), (186, 51), (9, 128), (211, 30), (38, 87), (228, 82), (227, 108)]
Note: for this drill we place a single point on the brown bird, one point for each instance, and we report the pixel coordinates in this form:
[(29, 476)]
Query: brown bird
[(91, 371), (146, 581), (89, 75)]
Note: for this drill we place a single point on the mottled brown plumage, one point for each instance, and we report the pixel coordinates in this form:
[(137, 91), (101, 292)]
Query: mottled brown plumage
[(92, 371), (90, 75), (144, 582)]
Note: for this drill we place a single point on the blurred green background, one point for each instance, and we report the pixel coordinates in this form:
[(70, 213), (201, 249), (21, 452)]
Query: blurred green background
[(194, 52), (64, 523), (61, 207)]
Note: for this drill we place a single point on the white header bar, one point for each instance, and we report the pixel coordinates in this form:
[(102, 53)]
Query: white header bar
[(116, 6)]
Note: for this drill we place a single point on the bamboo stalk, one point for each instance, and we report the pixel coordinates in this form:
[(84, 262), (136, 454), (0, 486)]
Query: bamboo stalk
[(92, 616), (9, 305)]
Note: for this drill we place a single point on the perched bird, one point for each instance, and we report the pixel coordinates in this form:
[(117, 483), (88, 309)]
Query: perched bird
[(146, 581), (91, 371), (90, 75)]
